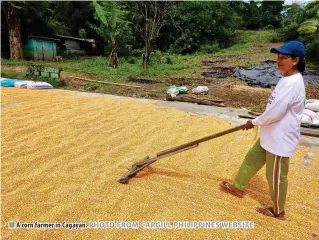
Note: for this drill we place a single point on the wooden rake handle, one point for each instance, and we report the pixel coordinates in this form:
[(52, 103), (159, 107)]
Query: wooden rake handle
[(198, 141), (136, 167)]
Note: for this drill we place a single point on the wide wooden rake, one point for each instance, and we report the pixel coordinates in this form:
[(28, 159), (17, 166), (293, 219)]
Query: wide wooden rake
[(137, 167)]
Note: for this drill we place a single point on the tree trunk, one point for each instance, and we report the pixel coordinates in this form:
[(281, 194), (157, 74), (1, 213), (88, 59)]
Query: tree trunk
[(114, 54), (115, 59), (147, 54), (14, 27)]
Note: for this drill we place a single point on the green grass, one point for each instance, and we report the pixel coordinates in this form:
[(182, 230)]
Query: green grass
[(237, 48), (260, 36), (97, 67), (12, 74)]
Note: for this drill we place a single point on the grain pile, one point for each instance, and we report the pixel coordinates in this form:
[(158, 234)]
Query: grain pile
[(62, 155)]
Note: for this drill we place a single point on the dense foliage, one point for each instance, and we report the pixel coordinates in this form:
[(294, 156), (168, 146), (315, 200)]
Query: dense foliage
[(125, 28)]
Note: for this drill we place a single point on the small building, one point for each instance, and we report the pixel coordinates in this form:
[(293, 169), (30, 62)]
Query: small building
[(76, 45), (40, 48)]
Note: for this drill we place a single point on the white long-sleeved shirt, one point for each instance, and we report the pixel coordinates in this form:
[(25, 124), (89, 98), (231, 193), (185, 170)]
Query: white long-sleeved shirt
[(280, 123)]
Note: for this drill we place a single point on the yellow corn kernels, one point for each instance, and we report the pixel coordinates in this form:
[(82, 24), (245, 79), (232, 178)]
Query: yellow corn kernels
[(62, 155)]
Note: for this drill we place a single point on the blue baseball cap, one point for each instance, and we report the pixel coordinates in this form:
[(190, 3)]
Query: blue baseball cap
[(295, 48), (291, 48)]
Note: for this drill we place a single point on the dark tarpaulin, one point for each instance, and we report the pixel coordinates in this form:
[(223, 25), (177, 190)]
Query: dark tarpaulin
[(266, 74)]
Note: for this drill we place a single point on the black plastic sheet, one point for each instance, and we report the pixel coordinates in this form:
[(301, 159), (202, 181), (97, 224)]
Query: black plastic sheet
[(266, 74)]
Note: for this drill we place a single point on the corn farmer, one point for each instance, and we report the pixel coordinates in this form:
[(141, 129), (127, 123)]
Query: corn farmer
[(279, 131)]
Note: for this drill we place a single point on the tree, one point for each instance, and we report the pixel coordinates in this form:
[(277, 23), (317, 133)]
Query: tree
[(310, 26), (27, 18), (114, 25), (11, 10), (69, 17), (150, 18), (252, 15), (309, 30), (239, 7), (311, 19), (203, 23), (271, 13), (292, 17), (303, 23)]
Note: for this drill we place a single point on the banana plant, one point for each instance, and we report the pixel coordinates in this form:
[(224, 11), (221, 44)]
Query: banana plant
[(309, 27), (113, 26)]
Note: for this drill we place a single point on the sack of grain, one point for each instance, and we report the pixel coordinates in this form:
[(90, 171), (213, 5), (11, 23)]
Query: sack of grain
[(9, 82), (39, 85), (315, 121), (306, 120), (172, 91), (22, 84), (310, 113), (200, 90), (312, 104), (182, 89)]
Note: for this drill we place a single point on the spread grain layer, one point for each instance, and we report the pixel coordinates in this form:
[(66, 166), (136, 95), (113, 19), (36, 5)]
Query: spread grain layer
[(62, 155)]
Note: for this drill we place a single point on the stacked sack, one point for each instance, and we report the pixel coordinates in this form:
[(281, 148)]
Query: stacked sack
[(22, 84), (33, 85), (310, 116), (8, 82)]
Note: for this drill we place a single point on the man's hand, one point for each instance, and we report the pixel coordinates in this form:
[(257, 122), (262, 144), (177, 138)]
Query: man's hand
[(248, 125)]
